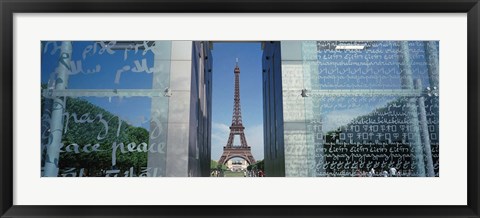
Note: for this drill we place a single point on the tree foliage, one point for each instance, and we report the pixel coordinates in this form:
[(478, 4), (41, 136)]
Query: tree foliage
[(88, 124), (259, 165)]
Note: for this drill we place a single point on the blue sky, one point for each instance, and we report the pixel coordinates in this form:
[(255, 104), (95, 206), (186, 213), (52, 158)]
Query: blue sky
[(250, 57), (136, 110)]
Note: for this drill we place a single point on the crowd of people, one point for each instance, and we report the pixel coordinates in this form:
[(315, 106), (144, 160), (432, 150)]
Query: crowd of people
[(392, 172), (246, 173)]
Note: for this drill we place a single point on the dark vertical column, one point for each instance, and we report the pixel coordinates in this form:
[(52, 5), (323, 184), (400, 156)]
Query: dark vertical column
[(274, 150)]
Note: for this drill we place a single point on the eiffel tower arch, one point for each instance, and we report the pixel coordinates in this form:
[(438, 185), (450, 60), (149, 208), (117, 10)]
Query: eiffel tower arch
[(243, 150)]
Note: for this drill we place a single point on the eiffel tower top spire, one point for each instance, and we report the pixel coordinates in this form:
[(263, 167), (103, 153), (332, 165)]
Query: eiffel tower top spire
[(237, 111)]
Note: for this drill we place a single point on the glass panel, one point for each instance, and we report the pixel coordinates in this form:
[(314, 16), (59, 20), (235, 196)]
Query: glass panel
[(104, 107), (371, 107), (352, 135)]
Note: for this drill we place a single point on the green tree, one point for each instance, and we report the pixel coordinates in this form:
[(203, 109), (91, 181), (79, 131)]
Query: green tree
[(88, 124)]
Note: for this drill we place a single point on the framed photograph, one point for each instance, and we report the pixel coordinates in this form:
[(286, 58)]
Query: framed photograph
[(239, 109)]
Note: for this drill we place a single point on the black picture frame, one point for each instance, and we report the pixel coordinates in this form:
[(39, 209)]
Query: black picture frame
[(9, 7)]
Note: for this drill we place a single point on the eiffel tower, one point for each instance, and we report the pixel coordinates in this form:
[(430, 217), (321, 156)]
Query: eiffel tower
[(243, 150)]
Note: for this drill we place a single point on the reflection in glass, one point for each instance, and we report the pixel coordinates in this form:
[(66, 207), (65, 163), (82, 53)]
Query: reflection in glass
[(368, 108)]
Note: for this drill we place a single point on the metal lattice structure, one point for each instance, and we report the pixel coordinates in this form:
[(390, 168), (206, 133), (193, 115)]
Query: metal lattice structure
[(243, 150)]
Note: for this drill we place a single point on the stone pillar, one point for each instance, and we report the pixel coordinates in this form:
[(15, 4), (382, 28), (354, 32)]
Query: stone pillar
[(416, 149), (46, 117), (159, 109), (427, 150), (295, 132), (58, 108), (179, 110), (311, 81), (431, 54), (169, 129)]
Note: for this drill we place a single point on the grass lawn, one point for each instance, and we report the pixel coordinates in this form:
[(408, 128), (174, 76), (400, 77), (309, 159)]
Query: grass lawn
[(233, 174)]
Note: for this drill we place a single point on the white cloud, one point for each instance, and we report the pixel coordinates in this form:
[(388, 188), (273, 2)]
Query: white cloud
[(254, 135), (338, 118), (221, 127), (220, 133), (334, 119)]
